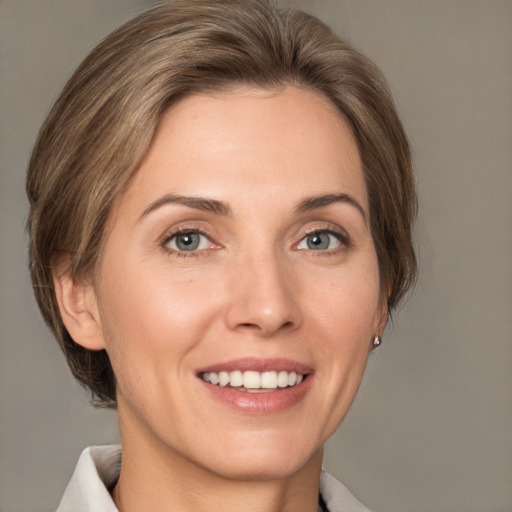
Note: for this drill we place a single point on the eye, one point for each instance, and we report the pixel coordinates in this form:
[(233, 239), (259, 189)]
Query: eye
[(320, 241), (187, 241)]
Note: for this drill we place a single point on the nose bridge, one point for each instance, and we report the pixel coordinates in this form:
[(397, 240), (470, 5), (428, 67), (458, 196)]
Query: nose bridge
[(263, 298)]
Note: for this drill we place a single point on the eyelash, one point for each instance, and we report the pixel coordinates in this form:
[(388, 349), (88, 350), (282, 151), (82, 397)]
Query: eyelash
[(340, 236)]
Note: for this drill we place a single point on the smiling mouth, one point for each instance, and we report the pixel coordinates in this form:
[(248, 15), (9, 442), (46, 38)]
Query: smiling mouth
[(252, 381)]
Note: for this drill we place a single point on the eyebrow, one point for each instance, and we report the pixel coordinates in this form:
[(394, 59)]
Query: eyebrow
[(199, 203), (222, 208), (311, 203)]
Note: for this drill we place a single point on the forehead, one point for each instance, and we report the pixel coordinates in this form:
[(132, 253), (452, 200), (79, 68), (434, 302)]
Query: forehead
[(251, 142)]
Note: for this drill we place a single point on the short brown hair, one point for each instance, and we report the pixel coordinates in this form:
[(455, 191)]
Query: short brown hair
[(99, 129)]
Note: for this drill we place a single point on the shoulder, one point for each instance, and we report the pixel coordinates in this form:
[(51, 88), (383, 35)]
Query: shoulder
[(337, 497)]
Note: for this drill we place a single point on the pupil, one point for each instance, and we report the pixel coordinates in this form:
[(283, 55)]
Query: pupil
[(318, 241), (188, 241)]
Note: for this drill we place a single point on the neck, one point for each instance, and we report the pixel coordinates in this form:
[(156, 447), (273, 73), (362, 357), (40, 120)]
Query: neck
[(157, 478)]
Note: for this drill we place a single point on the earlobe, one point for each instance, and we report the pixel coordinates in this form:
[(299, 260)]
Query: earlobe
[(381, 321), (380, 326), (77, 305)]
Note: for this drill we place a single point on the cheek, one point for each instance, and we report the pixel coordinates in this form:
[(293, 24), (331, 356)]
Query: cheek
[(348, 303), (153, 317), (343, 319), (150, 298)]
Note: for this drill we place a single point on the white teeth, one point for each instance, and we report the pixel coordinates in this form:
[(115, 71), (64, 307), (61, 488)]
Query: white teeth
[(236, 379), (282, 379), (292, 379), (269, 380), (223, 378), (254, 380)]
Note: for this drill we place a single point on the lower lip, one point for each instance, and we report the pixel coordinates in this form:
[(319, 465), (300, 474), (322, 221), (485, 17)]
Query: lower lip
[(263, 402)]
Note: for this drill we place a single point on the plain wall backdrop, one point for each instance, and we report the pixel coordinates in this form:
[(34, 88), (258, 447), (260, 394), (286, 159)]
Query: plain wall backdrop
[(431, 429)]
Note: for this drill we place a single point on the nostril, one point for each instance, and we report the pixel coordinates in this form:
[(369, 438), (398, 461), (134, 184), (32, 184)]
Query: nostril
[(248, 325), (251, 326)]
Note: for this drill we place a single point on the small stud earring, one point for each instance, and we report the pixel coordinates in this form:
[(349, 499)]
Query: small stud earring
[(377, 341)]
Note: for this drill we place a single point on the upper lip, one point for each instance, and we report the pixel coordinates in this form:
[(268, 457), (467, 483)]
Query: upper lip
[(258, 365)]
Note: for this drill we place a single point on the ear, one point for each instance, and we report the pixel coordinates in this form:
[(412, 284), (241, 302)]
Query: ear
[(77, 304)]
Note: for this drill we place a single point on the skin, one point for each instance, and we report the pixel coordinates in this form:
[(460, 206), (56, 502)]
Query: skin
[(255, 287)]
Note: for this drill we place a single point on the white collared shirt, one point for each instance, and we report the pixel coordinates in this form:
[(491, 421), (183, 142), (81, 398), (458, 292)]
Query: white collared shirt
[(98, 469)]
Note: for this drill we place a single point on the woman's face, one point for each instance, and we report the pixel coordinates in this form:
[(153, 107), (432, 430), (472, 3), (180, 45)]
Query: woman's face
[(241, 252)]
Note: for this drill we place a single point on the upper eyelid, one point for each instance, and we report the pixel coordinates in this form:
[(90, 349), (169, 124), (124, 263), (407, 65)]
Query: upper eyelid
[(342, 238), (329, 228), (172, 233), (170, 236)]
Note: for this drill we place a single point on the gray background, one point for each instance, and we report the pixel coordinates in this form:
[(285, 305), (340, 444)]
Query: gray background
[(431, 429)]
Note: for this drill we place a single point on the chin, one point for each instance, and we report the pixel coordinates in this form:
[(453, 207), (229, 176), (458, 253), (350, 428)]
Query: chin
[(261, 467), (264, 457)]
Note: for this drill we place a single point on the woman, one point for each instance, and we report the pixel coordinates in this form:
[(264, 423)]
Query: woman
[(221, 209)]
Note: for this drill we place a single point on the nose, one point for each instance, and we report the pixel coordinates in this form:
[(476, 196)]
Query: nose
[(263, 296)]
